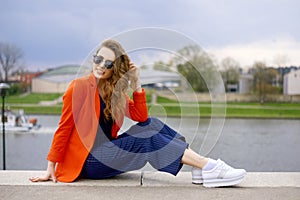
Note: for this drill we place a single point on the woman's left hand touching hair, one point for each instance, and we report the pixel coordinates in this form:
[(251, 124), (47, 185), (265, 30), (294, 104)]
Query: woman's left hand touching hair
[(134, 78)]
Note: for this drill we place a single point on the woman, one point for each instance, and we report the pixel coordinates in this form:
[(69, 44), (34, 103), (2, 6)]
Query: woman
[(86, 143)]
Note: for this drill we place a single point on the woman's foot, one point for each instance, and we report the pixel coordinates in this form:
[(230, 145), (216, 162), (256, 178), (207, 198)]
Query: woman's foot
[(219, 176)]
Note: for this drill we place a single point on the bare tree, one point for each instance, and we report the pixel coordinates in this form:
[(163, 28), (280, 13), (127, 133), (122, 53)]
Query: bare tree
[(264, 80), (260, 80), (281, 60), (198, 67), (230, 71), (162, 66), (10, 57)]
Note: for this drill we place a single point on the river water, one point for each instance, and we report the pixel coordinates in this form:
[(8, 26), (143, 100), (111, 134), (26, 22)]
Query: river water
[(266, 145)]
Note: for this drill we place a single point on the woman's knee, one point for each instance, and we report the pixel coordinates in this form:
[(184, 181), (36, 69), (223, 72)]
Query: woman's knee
[(150, 120), (145, 123)]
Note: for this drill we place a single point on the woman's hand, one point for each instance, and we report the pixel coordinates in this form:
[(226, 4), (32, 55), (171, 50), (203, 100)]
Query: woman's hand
[(135, 83), (50, 174)]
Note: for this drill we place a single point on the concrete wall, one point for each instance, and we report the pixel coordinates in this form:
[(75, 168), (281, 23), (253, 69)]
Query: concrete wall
[(230, 97), (42, 86), (270, 97)]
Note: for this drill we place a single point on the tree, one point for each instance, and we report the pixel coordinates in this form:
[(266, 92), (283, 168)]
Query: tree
[(230, 71), (281, 60), (197, 67), (10, 57), (260, 80), (143, 66), (161, 66), (264, 80)]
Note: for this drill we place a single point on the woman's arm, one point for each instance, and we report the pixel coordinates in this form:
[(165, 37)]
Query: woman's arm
[(134, 75), (60, 138), (66, 124), (136, 109)]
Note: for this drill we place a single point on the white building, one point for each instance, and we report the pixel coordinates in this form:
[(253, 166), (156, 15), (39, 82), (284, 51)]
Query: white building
[(291, 83), (245, 83), (55, 80), (160, 79), (58, 79)]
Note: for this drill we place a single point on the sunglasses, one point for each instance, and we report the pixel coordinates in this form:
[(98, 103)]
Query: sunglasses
[(99, 59)]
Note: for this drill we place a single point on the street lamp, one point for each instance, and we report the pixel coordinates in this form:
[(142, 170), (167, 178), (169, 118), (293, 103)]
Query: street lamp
[(3, 88)]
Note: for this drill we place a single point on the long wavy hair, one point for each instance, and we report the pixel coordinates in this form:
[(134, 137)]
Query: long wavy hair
[(115, 88)]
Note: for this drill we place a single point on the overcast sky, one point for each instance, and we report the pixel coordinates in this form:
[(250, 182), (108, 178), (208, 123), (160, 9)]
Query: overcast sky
[(56, 32)]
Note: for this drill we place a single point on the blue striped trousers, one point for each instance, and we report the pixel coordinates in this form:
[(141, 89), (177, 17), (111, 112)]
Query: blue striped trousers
[(150, 141)]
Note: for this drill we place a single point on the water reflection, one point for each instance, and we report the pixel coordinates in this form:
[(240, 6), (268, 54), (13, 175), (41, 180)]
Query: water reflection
[(253, 144)]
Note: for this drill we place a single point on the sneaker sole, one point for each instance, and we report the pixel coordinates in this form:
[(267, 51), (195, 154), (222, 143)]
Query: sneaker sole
[(197, 182), (223, 182)]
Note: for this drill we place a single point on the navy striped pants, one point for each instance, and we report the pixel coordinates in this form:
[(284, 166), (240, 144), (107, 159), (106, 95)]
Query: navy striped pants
[(150, 141)]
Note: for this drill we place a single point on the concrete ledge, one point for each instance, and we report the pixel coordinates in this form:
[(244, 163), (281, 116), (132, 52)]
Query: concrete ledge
[(252, 179), (153, 179), (20, 178)]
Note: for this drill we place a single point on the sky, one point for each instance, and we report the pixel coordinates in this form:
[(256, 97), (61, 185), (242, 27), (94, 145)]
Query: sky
[(57, 32)]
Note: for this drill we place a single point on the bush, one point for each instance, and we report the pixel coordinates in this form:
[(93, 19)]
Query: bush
[(14, 89)]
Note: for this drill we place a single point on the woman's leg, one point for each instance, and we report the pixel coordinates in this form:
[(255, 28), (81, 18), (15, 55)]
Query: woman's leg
[(151, 141), (212, 173), (193, 159), (165, 149)]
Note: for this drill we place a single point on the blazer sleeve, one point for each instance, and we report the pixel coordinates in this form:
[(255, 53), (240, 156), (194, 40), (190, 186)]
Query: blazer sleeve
[(136, 108), (64, 130)]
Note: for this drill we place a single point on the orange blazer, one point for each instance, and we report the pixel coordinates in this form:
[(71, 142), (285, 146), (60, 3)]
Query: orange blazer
[(76, 132)]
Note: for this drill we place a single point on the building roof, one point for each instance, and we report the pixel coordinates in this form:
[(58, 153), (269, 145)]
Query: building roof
[(293, 72), (67, 73), (155, 76)]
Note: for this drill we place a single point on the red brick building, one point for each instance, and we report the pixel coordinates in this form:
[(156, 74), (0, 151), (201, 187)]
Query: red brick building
[(24, 78)]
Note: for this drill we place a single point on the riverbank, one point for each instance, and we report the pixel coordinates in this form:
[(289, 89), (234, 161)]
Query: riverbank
[(49, 104), (268, 145), (230, 110)]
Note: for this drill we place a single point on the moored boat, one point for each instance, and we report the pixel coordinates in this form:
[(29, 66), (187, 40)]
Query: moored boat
[(17, 121)]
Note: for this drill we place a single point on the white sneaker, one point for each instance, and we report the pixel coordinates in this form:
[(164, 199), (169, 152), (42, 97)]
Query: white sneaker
[(222, 175), (197, 175)]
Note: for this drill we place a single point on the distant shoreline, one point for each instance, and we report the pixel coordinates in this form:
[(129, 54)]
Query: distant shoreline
[(31, 104), (175, 111)]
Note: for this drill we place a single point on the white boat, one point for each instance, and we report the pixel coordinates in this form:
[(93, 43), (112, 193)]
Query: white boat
[(17, 121)]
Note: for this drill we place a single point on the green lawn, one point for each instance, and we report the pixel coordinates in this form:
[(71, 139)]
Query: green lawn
[(32, 98), (263, 112), (168, 107), (35, 109), (29, 103)]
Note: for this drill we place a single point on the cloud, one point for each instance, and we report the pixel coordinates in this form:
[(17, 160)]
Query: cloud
[(268, 51), (54, 32)]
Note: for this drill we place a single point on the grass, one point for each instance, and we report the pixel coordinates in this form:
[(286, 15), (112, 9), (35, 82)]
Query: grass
[(30, 103), (34, 109), (167, 107), (238, 112), (263, 113), (267, 104), (176, 111), (32, 98)]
